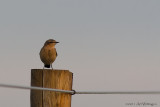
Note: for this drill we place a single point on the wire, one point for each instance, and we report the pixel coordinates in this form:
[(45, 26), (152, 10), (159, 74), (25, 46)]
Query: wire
[(119, 92), (36, 88), (78, 92)]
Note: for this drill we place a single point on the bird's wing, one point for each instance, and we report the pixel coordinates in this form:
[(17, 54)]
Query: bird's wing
[(43, 55), (56, 53)]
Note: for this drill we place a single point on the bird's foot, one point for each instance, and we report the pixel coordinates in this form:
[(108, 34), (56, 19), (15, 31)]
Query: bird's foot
[(51, 67)]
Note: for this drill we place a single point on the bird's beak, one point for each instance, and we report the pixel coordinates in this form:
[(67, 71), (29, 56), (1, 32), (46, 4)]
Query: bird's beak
[(56, 42)]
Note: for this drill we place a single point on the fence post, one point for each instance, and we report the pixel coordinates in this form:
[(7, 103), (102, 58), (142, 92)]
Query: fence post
[(47, 78)]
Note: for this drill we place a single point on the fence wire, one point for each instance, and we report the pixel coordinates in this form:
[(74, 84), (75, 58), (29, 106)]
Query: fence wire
[(77, 92)]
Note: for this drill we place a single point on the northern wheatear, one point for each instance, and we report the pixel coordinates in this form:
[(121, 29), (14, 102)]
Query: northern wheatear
[(48, 53)]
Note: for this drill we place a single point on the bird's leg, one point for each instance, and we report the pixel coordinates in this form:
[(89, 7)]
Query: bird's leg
[(43, 68), (51, 67)]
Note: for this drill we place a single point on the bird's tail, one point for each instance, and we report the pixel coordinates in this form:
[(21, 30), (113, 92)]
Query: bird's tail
[(47, 66)]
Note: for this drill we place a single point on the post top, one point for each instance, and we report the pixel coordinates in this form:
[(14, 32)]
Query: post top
[(51, 69), (45, 70)]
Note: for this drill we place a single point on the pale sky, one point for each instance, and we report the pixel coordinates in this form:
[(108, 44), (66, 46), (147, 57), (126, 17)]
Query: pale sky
[(109, 45)]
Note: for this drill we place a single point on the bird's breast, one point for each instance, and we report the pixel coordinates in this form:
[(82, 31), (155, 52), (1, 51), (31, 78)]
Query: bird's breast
[(48, 55)]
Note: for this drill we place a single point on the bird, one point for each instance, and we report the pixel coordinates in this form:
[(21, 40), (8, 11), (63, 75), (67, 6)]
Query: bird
[(48, 53)]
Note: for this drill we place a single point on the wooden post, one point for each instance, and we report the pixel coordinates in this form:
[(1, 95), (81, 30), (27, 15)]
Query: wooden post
[(57, 79)]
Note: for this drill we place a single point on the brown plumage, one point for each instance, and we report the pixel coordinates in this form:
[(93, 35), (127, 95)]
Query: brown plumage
[(48, 53)]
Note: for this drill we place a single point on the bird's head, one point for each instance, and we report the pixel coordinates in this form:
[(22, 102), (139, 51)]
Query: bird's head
[(51, 42)]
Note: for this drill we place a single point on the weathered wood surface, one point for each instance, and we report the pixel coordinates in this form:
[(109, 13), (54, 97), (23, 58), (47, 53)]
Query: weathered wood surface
[(58, 79), (36, 95)]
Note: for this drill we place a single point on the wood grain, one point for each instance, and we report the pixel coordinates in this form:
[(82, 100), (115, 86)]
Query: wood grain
[(36, 95), (58, 79)]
